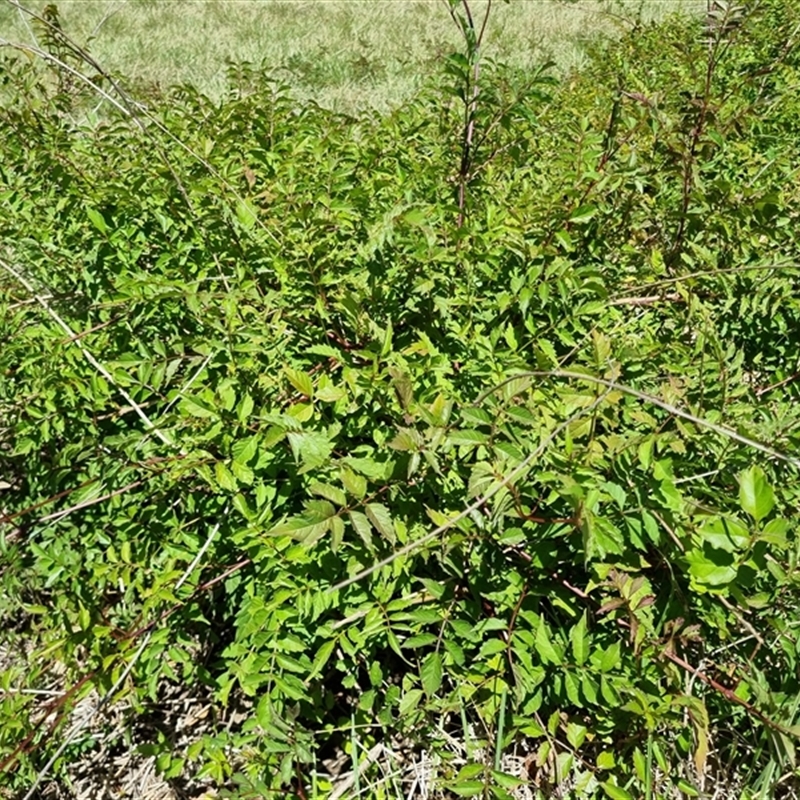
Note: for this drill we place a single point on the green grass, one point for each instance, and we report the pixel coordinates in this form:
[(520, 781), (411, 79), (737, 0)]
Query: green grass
[(345, 54)]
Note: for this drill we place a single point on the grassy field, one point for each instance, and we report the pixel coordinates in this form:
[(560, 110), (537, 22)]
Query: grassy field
[(345, 54)]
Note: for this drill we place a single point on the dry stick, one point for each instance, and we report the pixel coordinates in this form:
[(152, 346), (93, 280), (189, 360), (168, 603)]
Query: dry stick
[(50, 57), (87, 355), (647, 300), (764, 389), (103, 701), (613, 386), (728, 694), (481, 501), (472, 109), (710, 273), (57, 515)]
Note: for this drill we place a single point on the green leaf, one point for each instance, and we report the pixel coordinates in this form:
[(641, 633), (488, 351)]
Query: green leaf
[(579, 639), (311, 448), (379, 516), (774, 533), (507, 781), (576, 734), (686, 788), (355, 484), (301, 382), (605, 760), (409, 701), (329, 492), (583, 214), (470, 771), (225, 477), (711, 567), (244, 449), (615, 792), (467, 437), (724, 533), (467, 788), (407, 440), (571, 688), (309, 526), (195, 407), (362, 527), (755, 495), (247, 214), (544, 646), (337, 533), (97, 219), (431, 673), (243, 473), (476, 416)]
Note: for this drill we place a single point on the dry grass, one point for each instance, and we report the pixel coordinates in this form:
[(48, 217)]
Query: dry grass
[(343, 53)]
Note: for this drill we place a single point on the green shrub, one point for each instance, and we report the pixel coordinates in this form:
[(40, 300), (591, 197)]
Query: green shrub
[(278, 430)]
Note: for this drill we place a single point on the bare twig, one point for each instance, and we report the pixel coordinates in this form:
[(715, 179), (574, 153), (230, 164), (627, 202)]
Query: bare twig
[(648, 300), (613, 386), (728, 694), (57, 515)]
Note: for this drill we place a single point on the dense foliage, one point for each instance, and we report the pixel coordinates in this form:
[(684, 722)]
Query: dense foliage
[(277, 429)]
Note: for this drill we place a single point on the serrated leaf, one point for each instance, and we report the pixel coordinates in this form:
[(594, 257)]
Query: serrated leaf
[(353, 483), (310, 448), (605, 760), (571, 688), (774, 533), (440, 410), (362, 527), (467, 437), (309, 526), (337, 533), (329, 492), (477, 416), (244, 449), (409, 701), (576, 734), (243, 473), (380, 517), (300, 381), (407, 440), (245, 408), (322, 658), (420, 640), (240, 504), (97, 219), (711, 567)]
